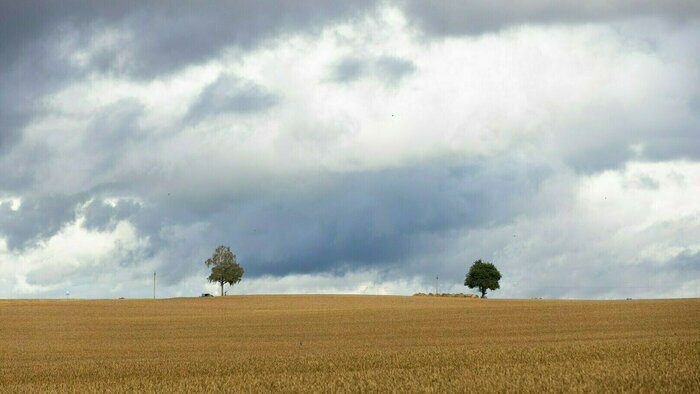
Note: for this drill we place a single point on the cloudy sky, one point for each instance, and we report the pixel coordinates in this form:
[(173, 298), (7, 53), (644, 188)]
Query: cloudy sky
[(350, 147)]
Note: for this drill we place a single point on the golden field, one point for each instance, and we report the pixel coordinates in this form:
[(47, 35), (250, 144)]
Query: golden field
[(335, 343)]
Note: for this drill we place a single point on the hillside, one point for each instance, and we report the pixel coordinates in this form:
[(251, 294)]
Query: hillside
[(349, 343)]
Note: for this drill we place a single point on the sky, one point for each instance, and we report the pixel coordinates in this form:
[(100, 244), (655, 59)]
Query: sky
[(350, 147)]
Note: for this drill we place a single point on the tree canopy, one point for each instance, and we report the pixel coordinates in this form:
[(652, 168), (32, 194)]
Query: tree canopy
[(224, 268), (484, 276)]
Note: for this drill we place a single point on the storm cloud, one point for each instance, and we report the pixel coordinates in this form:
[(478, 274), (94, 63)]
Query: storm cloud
[(350, 147), (481, 16), (227, 94)]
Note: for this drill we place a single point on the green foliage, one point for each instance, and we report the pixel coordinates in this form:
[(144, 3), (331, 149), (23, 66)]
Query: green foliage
[(484, 276), (224, 268)]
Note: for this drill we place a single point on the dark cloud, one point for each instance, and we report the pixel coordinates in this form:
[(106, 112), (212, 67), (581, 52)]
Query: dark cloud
[(41, 216), (593, 155), (394, 69), (26, 76), (228, 94), (647, 182), (373, 219), (114, 125), (348, 70), (161, 37), (111, 134), (675, 144), (368, 219), (480, 16), (102, 216), (187, 33), (10, 134), (686, 264), (95, 161), (607, 278), (27, 24), (36, 219), (19, 169), (140, 39), (387, 68), (611, 149)]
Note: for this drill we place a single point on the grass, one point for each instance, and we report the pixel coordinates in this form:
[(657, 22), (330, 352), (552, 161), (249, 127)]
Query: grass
[(349, 343)]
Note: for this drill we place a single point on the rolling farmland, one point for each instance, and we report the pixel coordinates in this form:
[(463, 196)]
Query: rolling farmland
[(349, 343)]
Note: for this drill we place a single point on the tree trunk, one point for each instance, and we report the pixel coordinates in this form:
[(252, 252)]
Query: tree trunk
[(483, 292), (222, 288)]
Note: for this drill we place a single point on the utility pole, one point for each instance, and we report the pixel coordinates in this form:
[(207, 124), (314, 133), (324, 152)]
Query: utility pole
[(437, 281), (154, 285)]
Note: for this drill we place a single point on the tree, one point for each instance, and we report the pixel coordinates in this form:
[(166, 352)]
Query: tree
[(482, 275), (224, 268)]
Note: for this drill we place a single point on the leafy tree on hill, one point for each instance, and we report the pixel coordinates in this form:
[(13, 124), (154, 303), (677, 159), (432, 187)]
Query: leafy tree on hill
[(224, 268), (484, 276)]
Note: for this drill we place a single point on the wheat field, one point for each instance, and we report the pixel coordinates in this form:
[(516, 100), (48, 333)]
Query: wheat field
[(335, 343)]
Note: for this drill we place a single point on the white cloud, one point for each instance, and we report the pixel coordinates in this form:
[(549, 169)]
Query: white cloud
[(641, 195), (358, 282), (615, 238), (14, 203), (74, 256), (556, 92)]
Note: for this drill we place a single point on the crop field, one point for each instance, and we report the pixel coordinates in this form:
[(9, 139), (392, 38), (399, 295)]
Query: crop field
[(319, 343)]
